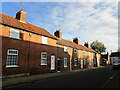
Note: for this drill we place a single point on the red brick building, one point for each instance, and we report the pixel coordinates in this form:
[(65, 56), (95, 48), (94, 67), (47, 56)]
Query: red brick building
[(29, 49)]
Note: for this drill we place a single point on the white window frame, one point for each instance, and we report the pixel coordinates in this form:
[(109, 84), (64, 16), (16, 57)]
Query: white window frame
[(14, 33), (65, 62), (88, 53), (75, 50), (14, 60), (85, 61), (44, 40), (65, 49), (42, 59), (75, 61)]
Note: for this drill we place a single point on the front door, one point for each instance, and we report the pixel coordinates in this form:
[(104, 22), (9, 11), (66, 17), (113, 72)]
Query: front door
[(52, 62), (81, 63), (58, 64)]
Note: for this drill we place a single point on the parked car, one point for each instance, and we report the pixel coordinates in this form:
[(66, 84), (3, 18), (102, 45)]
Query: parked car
[(116, 66)]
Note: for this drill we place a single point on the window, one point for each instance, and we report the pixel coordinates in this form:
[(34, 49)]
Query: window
[(84, 61), (88, 53), (14, 33), (84, 52), (44, 40), (75, 61), (12, 58), (75, 50), (65, 49), (43, 58), (65, 62)]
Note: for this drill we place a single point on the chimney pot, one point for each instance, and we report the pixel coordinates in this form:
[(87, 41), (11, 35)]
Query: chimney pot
[(21, 15), (76, 40), (86, 44), (58, 34)]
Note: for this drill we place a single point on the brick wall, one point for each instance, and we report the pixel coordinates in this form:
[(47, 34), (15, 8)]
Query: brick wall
[(30, 49)]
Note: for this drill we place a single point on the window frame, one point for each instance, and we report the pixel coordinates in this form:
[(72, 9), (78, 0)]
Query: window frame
[(8, 62), (44, 40), (65, 49), (14, 31), (43, 58), (65, 62)]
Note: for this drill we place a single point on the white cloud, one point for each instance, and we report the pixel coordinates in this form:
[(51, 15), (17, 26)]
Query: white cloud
[(90, 21), (60, 0)]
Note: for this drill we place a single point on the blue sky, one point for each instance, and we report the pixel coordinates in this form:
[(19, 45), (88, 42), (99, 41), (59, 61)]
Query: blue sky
[(89, 21)]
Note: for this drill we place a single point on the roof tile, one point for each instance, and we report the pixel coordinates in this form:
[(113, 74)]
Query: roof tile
[(27, 26)]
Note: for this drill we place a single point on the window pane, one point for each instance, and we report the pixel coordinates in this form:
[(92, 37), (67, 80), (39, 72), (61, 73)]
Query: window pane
[(15, 33), (43, 61), (44, 55), (43, 58), (44, 40), (12, 58), (65, 62)]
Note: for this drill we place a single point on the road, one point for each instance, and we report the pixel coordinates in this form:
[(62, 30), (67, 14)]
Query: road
[(94, 78)]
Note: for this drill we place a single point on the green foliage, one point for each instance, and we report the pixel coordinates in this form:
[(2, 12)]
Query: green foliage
[(98, 46)]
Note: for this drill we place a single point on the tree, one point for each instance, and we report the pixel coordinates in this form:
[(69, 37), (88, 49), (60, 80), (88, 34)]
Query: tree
[(98, 46)]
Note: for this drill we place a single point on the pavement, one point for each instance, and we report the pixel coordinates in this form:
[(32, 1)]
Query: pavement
[(6, 82)]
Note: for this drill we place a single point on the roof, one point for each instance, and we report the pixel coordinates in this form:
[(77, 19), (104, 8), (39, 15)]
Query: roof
[(115, 54), (11, 21), (74, 45)]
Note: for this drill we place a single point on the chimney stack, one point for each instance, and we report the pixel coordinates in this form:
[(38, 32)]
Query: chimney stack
[(86, 44), (76, 40), (58, 34), (21, 15)]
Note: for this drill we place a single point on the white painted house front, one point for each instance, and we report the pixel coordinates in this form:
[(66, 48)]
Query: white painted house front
[(115, 57)]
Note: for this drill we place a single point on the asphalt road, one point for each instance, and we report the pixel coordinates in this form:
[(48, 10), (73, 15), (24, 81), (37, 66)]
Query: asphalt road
[(96, 78)]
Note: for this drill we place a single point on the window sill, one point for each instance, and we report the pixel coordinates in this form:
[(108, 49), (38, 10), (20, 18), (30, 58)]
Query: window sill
[(8, 66), (43, 64), (65, 52), (15, 38), (65, 66), (75, 65)]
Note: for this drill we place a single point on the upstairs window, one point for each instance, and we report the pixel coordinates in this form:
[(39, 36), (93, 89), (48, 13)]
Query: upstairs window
[(44, 40), (12, 58), (43, 58), (65, 49), (75, 50), (14, 33)]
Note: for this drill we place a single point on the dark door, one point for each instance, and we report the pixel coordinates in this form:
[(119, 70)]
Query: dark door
[(58, 64)]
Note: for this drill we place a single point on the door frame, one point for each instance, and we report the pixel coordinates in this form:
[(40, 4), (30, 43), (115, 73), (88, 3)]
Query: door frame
[(59, 65), (52, 63)]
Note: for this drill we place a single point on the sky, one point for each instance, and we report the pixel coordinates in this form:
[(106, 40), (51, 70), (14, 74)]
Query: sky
[(89, 21)]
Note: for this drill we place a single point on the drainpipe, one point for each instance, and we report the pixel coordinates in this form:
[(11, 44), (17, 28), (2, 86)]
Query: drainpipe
[(28, 53)]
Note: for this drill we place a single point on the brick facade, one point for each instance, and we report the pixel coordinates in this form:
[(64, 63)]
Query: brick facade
[(30, 47)]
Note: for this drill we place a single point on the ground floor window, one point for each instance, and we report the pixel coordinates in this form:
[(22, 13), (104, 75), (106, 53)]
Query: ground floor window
[(84, 61), (75, 61), (12, 58), (65, 62), (43, 58)]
